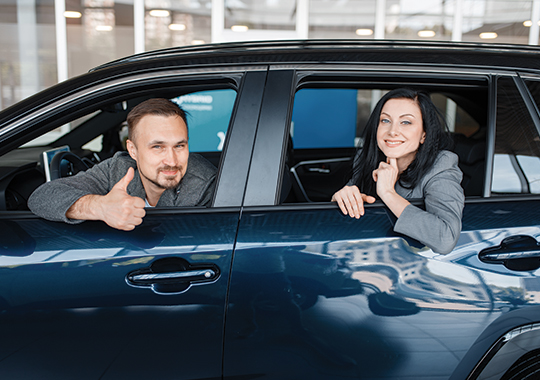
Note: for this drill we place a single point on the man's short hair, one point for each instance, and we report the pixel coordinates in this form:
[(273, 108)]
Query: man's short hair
[(154, 106)]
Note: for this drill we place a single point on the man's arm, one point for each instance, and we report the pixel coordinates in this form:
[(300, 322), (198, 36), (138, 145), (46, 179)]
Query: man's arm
[(117, 208)]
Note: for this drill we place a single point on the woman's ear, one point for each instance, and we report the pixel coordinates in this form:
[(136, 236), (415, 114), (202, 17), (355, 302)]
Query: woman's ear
[(423, 138)]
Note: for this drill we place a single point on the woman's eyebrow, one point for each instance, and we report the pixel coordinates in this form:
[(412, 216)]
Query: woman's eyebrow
[(407, 114)]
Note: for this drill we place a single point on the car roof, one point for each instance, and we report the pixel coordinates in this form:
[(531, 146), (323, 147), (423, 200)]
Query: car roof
[(438, 53)]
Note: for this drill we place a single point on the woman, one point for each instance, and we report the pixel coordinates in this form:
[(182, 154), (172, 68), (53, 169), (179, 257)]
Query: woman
[(405, 156)]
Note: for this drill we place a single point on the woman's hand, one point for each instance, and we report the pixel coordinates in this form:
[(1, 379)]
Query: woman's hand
[(386, 176), (351, 201)]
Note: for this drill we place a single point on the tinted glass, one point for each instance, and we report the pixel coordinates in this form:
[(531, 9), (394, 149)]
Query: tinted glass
[(516, 166)]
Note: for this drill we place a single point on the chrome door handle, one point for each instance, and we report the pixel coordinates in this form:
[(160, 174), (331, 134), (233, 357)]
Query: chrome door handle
[(193, 275), (172, 275), (319, 170), (520, 252)]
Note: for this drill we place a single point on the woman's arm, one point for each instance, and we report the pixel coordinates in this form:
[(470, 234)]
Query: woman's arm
[(439, 225)]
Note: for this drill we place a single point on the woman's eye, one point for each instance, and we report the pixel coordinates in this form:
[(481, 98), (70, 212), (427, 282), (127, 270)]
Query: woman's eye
[(407, 122), (383, 121)]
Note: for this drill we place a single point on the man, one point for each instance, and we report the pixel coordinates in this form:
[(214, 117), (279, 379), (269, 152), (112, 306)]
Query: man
[(154, 172)]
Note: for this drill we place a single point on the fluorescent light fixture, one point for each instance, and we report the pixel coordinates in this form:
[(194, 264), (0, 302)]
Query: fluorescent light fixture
[(104, 28), (488, 35), (177, 27), (72, 14), (239, 28), (159, 13), (426, 33), (197, 42), (364, 32)]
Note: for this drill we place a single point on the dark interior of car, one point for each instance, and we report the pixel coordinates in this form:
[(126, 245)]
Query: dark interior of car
[(310, 174)]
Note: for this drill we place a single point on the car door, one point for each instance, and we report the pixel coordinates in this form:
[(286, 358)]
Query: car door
[(316, 294), (87, 301)]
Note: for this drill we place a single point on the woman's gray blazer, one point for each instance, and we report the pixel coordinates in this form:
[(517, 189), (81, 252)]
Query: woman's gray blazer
[(439, 225)]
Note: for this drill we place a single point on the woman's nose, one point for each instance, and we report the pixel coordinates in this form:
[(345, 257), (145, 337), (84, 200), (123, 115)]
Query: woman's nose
[(393, 131)]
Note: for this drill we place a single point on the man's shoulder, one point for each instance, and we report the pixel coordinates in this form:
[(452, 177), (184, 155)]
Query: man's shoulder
[(199, 166), (121, 159)]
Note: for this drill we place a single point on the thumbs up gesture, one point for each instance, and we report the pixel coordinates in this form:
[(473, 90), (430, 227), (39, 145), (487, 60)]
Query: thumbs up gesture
[(117, 208), (121, 210)]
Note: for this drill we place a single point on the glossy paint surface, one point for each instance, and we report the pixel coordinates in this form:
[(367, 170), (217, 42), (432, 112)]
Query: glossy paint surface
[(382, 306), (68, 310)]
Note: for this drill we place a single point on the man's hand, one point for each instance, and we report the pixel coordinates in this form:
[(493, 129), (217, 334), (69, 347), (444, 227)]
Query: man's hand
[(118, 209), (351, 201)]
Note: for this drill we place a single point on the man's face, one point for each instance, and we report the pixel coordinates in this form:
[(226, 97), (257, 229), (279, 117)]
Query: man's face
[(160, 147)]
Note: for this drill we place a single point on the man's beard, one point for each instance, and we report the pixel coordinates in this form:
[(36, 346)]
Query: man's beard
[(166, 183)]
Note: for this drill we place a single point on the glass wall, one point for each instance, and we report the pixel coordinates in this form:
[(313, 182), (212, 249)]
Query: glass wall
[(34, 50), (497, 21), (98, 31), (27, 49), (177, 23)]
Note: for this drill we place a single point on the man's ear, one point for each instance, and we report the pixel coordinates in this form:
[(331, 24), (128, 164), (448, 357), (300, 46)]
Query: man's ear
[(132, 149)]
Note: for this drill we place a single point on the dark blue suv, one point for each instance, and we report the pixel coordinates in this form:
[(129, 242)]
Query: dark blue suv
[(272, 280)]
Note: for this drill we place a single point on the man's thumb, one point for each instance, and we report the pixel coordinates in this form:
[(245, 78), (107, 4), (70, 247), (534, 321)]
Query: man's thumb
[(124, 182)]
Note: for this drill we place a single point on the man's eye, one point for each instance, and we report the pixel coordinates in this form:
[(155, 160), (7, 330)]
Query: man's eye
[(156, 146)]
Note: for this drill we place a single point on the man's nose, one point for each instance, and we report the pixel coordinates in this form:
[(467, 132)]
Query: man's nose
[(170, 158)]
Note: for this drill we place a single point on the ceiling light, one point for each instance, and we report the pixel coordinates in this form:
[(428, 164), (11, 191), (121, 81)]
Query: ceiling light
[(159, 13), (488, 35), (104, 28), (177, 27), (197, 42), (239, 28), (528, 23), (72, 14), (426, 33), (364, 32)]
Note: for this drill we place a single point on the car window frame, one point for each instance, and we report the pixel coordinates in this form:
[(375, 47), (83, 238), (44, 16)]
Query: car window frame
[(248, 82), (268, 148)]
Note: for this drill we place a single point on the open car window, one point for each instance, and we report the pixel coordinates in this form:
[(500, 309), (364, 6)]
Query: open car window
[(99, 134), (327, 127)]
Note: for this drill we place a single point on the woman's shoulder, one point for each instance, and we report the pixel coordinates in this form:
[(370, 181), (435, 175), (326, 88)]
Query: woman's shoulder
[(446, 165), (445, 158)]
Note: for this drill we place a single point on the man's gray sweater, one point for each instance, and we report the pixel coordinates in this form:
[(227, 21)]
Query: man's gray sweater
[(52, 199)]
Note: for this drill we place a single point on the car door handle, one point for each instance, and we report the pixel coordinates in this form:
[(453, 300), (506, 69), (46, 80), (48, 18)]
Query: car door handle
[(319, 170), (520, 252), (172, 275), (192, 275)]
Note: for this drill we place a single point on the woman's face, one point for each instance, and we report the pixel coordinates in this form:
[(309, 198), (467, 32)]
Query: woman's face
[(400, 131)]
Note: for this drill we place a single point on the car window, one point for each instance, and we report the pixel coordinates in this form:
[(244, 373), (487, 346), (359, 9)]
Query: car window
[(327, 127), (345, 112), (208, 114), (99, 134), (516, 164)]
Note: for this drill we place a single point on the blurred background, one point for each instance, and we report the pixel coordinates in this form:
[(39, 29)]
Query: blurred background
[(43, 42)]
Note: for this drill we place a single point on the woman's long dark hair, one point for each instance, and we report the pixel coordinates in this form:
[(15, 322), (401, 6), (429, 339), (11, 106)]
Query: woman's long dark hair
[(369, 156)]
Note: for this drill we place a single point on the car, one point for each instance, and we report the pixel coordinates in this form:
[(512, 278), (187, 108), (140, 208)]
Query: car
[(272, 280)]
